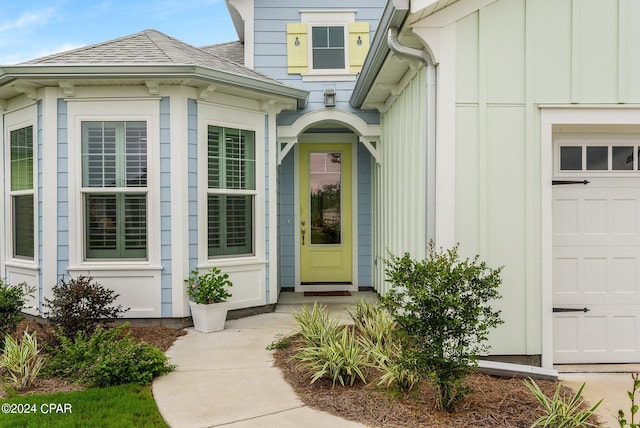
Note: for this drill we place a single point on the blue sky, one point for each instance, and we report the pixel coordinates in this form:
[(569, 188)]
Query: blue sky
[(34, 28)]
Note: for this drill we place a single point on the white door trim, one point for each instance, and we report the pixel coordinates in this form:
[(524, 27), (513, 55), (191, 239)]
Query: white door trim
[(564, 115)]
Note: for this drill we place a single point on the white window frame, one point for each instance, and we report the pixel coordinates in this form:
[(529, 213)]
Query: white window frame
[(26, 192), (596, 141), (97, 110), (88, 191), (19, 119), (328, 18), (226, 191), (227, 117)]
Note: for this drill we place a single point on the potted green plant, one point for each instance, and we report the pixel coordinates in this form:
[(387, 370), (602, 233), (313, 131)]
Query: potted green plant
[(208, 293)]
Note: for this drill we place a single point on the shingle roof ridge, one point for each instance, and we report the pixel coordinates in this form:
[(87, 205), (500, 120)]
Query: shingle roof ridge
[(174, 51), (48, 58)]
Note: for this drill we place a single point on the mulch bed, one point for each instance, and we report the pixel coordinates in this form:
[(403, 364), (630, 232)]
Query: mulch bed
[(162, 337), (493, 402)]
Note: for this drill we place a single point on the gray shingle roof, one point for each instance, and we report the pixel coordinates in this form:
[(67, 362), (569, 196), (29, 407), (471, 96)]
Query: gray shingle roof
[(149, 47), (233, 51)]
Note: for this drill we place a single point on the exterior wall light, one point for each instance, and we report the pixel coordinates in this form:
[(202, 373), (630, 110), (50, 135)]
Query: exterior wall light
[(297, 42), (359, 41), (329, 98)]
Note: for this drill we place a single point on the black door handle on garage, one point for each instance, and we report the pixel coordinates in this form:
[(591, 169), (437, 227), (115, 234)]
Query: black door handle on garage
[(571, 310)]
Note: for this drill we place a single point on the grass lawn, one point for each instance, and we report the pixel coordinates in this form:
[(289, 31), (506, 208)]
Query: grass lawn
[(118, 406)]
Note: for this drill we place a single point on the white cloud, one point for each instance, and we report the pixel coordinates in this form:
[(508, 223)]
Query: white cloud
[(29, 55), (28, 18)]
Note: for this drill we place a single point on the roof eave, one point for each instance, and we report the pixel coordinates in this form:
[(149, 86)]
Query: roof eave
[(46, 72), (394, 14)]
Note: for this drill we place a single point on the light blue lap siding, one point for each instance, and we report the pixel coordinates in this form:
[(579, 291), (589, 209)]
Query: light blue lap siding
[(165, 207), (63, 190), (192, 155), (286, 223), (364, 217), (270, 48)]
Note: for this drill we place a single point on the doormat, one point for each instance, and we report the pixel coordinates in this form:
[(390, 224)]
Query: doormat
[(326, 293)]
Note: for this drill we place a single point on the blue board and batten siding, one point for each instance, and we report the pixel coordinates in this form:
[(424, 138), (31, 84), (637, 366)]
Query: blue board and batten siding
[(270, 50), (165, 207)]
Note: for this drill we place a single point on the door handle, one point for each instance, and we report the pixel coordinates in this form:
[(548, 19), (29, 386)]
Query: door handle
[(303, 231), (571, 310)]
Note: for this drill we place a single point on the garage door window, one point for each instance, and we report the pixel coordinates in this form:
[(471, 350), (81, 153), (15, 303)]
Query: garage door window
[(599, 157)]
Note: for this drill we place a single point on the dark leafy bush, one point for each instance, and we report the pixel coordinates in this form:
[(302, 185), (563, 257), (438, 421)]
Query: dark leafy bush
[(106, 358), (442, 308), (12, 301), (81, 305)]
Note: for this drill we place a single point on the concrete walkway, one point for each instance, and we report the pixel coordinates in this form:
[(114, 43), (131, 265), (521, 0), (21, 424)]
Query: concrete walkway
[(603, 381), (227, 378)]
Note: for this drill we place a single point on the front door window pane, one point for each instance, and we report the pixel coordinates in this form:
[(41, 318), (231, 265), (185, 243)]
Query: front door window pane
[(325, 179)]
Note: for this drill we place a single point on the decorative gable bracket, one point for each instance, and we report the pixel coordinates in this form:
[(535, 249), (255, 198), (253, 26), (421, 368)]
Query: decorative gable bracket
[(68, 88), (207, 92), (27, 90), (153, 87)]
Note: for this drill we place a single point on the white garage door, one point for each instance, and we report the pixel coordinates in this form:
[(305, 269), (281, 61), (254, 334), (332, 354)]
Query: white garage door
[(596, 252)]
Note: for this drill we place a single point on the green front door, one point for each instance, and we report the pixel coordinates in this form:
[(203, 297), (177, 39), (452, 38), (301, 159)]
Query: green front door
[(325, 213)]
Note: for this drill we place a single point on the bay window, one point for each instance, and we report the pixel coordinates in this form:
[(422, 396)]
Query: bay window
[(21, 193), (231, 191), (114, 188)]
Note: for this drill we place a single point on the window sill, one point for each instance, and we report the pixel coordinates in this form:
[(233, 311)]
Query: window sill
[(332, 77), (22, 264), (114, 265), (232, 261)]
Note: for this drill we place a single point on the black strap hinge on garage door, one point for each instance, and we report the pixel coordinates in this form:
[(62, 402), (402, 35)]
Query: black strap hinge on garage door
[(571, 310), (561, 182)]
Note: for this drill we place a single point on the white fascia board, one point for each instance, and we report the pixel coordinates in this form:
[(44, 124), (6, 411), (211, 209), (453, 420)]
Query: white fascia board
[(136, 71)]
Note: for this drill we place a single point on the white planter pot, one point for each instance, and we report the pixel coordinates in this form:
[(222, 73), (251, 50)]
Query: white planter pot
[(208, 318)]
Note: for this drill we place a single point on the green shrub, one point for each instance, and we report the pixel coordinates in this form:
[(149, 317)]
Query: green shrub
[(316, 326), (81, 305), (441, 307), (12, 301), (21, 360), (106, 358), (560, 412), (338, 358), (633, 410), (210, 287)]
